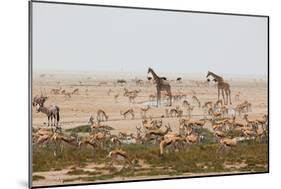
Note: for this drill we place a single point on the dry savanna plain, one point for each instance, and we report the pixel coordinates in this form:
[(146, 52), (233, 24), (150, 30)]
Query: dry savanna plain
[(185, 139)]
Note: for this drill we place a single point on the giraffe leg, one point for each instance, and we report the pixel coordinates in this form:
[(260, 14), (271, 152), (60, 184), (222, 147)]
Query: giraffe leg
[(229, 93), (226, 94), (222, 92), (218, 93), (158, 96), (48, 120), (170, 97)]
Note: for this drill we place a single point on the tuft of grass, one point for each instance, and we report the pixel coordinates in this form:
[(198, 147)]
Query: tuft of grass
[(37, 177), (82, 172), (80, 129)]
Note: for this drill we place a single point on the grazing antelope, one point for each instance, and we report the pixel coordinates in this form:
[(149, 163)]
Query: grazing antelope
[(192, 137), (102, 83), (67, 95), (188, 106), (109, 91), (174, 112), (196, 123), (75, 91), (251, 123), (156, 123), (221, 125), (132, 97), (115, 140), (139, 82), (127, 92), (129, 111), (152, 97), (41, 135), (87, 141), (243, 107), (184, 122), (208, 105), (263, 121), (260, 132), (100, 136), (227, 142), (55, 91), (52, 112), (224, 110), (169, 141), (234, 123), (150, 125), (121, 82), (196, 100), (219, 103), (249, 132), (119, 154), (214, 114), (59, 137), (154, 134), (139, 138), (237, 96), (144, 110), (116, 98), (185, 104), (101, 115)]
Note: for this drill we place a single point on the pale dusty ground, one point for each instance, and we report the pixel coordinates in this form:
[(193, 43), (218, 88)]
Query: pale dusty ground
[(76, 111)]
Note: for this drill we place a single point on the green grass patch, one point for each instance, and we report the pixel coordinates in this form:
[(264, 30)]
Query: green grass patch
[(37, 177), (80, 129), (200, 158)]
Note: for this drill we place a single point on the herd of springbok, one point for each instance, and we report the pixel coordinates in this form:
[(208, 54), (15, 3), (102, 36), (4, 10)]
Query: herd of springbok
[(217, 116)]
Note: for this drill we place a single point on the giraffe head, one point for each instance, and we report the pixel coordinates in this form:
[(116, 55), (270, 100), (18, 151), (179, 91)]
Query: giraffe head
[(208, 74)]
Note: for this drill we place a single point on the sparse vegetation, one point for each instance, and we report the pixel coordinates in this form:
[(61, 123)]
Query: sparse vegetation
[(37, 177), (201, 158), (80, 129)]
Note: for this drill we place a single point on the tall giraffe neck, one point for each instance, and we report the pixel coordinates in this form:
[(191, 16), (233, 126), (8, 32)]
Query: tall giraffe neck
[(155, 76), (219, 78)]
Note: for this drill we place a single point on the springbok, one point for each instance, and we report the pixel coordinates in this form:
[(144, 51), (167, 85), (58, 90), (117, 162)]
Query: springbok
[(75, 91), (154, 134), (119, 154), (144, 110), (169, 141), (101, 116), (195, 99), (227, 142), (116, 98), (129, 111)]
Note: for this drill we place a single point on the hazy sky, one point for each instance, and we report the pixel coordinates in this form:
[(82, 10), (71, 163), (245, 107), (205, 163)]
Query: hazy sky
[(83, 38)]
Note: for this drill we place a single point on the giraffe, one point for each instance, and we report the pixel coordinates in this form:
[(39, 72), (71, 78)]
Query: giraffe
[(223, 86), (161, 85)]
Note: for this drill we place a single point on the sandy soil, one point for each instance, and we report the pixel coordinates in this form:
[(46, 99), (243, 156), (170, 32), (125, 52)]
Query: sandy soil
[(77, 110)]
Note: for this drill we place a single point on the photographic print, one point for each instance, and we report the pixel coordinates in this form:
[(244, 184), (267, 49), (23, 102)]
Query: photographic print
[(122, 94)]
